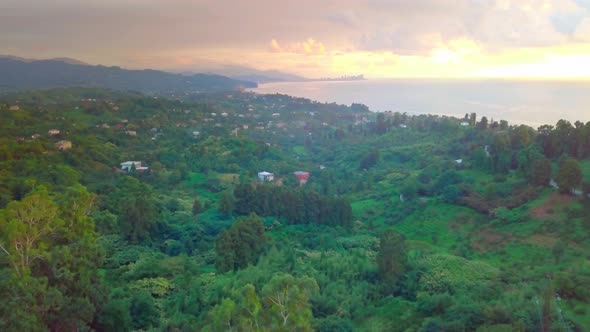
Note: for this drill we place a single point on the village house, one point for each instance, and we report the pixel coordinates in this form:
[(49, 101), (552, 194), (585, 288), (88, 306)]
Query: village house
[(131, 132), (63, 145), (53, 132), (14, 108), (265, 176), (128, 165), (35, 136)]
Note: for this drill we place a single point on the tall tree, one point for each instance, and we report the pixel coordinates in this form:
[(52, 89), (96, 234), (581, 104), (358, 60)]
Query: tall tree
[(391, 259), (137, 208), (541, 172), (286, 302), (28, 228), (569, 175), (241, 245)]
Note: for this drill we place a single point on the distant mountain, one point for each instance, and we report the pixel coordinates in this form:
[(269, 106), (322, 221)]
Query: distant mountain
[(70, 61), (22, 74), (253, 75), (61, 59)]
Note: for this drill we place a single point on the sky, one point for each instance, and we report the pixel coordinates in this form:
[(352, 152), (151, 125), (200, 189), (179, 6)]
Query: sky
[(313, 38)]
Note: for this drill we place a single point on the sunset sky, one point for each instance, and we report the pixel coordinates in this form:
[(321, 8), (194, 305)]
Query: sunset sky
[(314, 38)]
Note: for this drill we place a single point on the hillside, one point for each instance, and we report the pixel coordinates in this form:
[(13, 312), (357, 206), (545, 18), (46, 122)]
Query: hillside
[(405, 223), (22, 74)]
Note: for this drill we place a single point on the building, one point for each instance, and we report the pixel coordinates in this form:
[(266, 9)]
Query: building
[(126, 166), (131, 132), (465, 124), (53, 132), (265, 176), (63, 145), (302, 177), (14, 108)]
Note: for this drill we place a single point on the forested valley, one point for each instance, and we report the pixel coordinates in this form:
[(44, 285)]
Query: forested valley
[(121, 211)]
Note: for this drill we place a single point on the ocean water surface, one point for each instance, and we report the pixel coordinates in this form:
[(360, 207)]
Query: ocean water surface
[(518, 101)]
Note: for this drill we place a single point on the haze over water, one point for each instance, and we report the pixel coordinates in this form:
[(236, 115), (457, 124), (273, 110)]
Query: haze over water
[(519, 102)]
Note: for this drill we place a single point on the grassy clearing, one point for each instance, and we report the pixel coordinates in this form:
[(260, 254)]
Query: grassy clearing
[(438, 224)]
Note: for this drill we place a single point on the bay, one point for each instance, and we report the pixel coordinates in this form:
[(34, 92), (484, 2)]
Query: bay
[(518, 101)]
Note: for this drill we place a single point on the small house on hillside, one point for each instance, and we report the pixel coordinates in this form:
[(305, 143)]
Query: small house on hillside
[(265, 176), (128, 165), (63, 145), (53, 132), (131, 132), (302, 177), (14, 108)]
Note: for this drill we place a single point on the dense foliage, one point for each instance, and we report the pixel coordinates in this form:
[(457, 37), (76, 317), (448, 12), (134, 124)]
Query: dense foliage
[(406, 223)]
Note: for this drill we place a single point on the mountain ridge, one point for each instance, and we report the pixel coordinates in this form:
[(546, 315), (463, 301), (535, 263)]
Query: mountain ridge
[(23, 74)]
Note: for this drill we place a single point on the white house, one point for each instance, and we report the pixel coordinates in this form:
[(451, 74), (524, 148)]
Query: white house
[(126, 166), (53, 132), (265, 176), (14, 108), (464, 124)]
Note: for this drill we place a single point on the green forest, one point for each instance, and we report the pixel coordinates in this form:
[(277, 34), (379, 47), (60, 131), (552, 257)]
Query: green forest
[(121, 211)]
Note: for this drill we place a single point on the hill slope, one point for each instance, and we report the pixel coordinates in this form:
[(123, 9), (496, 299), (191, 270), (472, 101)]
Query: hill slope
[(20, 75)]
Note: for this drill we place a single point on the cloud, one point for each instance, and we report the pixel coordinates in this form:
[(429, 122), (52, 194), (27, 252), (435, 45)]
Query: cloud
[(582, 32), (307, 47), (153, 33)]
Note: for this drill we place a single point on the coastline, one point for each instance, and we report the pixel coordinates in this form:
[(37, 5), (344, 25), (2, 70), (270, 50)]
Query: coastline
[(529, 102)]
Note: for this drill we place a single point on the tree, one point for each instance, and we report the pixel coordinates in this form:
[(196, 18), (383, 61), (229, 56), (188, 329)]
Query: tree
[(286, 301), (569, 175), (197, 208), (143, 311), (541, 172), (27, 229), (370, 160), (241, 245), (473, 119), (137, 208), (116, 316), (521, 137), (391, 259), (381, 124), (251, 309), (221, 316), (53, 257), (483, 123), (227, 202)]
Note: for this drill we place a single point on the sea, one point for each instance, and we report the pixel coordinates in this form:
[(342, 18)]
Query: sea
[(533, 103)]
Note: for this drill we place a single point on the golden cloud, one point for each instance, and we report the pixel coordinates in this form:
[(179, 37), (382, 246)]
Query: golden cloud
[(307, 47)]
